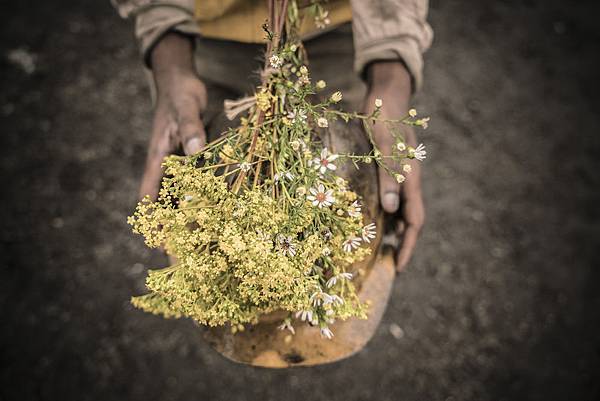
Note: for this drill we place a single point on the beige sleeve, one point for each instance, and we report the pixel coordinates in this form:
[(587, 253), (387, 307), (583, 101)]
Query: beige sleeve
[(153, 18), (391, 30)]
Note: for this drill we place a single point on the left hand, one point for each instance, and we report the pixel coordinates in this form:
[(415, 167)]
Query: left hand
[(390, 81)]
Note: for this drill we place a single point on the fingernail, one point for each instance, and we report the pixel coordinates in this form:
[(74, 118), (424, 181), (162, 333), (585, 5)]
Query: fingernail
[(192, 146), (390, 202)]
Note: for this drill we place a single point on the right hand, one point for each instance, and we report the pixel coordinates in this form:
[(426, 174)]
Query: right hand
[(181, 98), (390, 81)]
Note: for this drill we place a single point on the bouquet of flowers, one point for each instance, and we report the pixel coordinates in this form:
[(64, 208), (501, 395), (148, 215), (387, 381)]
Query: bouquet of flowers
[(258, 221)]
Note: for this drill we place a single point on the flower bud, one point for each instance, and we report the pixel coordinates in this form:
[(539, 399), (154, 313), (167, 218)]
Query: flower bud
[(322, 122), (336, 97)]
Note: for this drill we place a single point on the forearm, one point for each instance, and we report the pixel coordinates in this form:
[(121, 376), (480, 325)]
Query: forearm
[(155, 19), (172, 56)]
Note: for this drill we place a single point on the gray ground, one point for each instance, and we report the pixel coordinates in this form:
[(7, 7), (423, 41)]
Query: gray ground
[(500, 302)]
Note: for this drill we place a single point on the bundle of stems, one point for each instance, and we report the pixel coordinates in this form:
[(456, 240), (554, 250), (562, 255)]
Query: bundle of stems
[(259, 221)]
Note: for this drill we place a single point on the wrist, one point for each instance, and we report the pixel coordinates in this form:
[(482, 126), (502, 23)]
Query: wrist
[(172, 57), (389, 77)]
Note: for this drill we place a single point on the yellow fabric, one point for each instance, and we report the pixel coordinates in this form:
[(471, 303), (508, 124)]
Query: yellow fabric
[(242, 20)]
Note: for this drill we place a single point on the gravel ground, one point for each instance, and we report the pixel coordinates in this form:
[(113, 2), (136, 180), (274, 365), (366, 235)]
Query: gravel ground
[(500, 302)]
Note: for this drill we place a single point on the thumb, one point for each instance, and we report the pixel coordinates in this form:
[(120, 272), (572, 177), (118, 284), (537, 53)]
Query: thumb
[(389, 192), (191, 129)]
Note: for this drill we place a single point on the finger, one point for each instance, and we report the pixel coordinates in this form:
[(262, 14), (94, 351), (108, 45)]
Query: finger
[(409, 240), (389, 188), (161, 146), (389, 191), (413, 218), (190, 128)]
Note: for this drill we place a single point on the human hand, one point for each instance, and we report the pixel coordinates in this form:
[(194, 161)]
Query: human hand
[(181, 98), (390, 82)]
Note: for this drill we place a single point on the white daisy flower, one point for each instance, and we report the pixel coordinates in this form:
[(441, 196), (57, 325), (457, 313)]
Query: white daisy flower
[(319, 197), (401, 146), (319, 298), (322, 20), (333, 280), (287, 325), (245, 166), (337, 300), (419, 153), (354, 209), (325, 162), (315, 298), (334, 300), (304, 315), (284, 174), (378, 103), (286, 245), (297, 115), (412, 112), (368, 232), (275, 61), (407, 168), (325, 332), (423, 122), (351, 244), (345, 276)]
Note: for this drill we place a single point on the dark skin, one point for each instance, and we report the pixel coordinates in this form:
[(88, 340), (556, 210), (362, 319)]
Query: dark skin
[(181, 99)]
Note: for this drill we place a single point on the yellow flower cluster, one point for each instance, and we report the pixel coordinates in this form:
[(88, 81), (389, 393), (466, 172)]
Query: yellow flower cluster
[(231, 265)]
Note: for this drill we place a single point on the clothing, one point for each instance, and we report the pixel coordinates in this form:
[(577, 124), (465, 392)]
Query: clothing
[(382, 29), (230, 70), (216, 17)]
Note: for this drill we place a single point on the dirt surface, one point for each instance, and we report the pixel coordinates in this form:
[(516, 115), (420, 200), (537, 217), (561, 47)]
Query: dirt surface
[(501, 301)]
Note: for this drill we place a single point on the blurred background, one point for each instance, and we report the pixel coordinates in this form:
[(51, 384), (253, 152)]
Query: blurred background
[(500, 302)]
